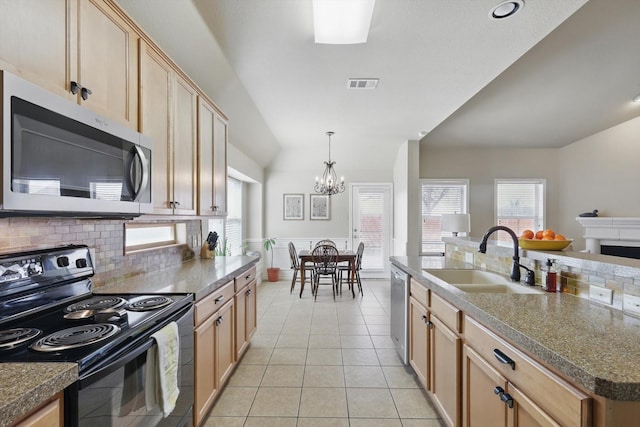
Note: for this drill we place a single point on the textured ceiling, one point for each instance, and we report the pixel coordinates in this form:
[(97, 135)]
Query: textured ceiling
[(579, 80), (283, 91)]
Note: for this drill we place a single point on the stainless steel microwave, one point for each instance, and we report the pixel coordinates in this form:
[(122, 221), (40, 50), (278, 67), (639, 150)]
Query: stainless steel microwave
[(61, 159)]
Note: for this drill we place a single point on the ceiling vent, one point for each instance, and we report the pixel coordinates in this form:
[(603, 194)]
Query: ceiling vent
[(362, 83)]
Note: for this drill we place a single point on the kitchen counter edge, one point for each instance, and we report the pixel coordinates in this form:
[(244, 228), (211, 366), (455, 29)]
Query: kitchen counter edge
[(25, 386), (199, 277)]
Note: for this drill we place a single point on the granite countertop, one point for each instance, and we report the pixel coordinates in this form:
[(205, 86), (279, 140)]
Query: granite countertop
[(594, 346), (199, 277), (25, 386)]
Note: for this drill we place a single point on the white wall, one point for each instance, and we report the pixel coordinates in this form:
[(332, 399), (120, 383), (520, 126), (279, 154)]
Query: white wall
[(406, 200), (600, 172), (483, 166)]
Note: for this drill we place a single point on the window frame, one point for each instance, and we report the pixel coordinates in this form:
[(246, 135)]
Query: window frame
[(465, 182), (542, 182)]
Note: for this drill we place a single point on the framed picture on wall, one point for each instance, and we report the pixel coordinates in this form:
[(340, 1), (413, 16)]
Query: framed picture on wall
[(293, 206), (319, 206)]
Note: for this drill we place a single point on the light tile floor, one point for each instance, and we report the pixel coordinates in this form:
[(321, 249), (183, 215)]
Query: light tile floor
[(324, 363)]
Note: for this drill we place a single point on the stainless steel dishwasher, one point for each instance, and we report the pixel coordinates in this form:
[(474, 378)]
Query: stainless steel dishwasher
[(399, 312)]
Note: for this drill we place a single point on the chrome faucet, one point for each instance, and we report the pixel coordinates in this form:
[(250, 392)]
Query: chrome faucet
[(515, 268)]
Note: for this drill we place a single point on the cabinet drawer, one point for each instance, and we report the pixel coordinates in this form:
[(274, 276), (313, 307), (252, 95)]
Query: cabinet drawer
[(448, 314), (245, 278), (566, 404), (212, 302), (420, 293)]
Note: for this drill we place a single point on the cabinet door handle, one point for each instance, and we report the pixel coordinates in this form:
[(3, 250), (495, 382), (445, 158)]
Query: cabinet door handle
[(503, 358), (220, 298), (248, 292), (84, 93), (498, 390), (506, 398), (424, 318), (214, 208), (219, 320), (75, 87), (430, 324)]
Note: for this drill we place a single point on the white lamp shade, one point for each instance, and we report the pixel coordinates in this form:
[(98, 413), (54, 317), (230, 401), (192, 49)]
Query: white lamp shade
[(456, 223)]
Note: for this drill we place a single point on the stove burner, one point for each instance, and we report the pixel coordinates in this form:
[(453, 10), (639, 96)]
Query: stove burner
[(10, 338), (78, 336), (149, 303), (98, 304)]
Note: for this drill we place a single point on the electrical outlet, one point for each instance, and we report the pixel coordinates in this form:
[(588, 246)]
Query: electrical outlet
[(631, 304), (468, 257), (603, 295)]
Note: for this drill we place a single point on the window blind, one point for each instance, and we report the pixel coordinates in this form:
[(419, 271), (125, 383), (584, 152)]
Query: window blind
[(233, 223), (371, 206), (440, 197), (519, 205)]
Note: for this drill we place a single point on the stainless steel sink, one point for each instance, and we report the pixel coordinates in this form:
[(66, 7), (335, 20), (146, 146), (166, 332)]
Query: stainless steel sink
[(479, 281)]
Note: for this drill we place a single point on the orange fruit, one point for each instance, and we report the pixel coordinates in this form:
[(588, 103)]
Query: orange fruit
[(527, 234), (560, 237), (549, 233), (547, 238), (539, 235)]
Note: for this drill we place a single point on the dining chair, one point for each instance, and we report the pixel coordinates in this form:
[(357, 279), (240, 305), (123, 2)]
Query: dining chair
[(325, 264), (347, 268), (326, 242), (295, 264)]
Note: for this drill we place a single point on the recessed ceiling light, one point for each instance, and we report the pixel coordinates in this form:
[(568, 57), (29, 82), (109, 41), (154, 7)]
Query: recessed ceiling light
[(506, 9)]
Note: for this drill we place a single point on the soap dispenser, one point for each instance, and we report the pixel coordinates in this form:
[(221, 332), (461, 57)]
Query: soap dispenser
[(551, 277)]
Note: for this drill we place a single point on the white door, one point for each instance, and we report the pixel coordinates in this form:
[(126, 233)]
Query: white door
[(370, 222)]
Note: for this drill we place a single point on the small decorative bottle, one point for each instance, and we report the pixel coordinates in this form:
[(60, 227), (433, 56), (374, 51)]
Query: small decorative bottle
[(552, 277)]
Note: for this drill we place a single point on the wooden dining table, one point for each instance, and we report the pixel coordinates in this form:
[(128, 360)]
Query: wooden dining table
[(343, 256)]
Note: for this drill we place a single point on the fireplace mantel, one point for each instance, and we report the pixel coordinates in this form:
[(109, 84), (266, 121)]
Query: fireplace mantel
[(611, 231)]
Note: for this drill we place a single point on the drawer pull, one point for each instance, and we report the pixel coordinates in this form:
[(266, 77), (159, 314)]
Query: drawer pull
[(220, 298), (506, 398), (247, 277), (503, 358)]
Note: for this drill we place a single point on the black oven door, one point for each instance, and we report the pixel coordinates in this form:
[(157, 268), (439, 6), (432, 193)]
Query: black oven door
[(114, 395)]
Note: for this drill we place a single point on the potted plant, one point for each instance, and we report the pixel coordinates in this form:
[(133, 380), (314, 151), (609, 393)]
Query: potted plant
[(272, 272)]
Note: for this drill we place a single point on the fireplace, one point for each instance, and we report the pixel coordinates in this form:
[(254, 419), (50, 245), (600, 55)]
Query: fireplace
[(616, 236)]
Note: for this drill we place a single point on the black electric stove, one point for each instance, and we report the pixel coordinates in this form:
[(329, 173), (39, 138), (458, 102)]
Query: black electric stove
[(48, 312)]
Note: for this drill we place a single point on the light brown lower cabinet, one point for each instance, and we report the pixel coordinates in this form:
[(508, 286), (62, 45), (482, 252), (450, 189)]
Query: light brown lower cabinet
[(445, 352), (49, 414), (246, 286), (504, 387), (214, 347), (245, 317), (418, 340)]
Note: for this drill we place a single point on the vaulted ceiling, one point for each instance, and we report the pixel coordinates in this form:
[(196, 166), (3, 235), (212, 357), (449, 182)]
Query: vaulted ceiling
[(445, 69)]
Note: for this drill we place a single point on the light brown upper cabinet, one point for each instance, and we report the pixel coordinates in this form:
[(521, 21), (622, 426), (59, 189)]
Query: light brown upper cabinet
[(168, 107), (67, 46), (212, 146)]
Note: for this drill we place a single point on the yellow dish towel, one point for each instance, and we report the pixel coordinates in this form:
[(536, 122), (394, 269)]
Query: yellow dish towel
[(161, 384)]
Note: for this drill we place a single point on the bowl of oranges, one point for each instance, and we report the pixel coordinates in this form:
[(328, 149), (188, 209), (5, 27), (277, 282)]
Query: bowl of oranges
[(543, 240)]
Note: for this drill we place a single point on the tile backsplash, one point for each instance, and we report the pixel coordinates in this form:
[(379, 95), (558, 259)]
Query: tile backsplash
[(577, 271), (104, 236)]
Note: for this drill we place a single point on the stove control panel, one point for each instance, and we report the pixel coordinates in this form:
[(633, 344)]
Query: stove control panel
[(20, 269)]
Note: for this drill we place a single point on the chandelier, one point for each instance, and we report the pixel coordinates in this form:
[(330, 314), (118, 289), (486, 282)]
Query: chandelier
[(329, 184)]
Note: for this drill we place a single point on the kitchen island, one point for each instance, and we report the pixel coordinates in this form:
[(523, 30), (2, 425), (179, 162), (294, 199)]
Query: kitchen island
[(594, 347)]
